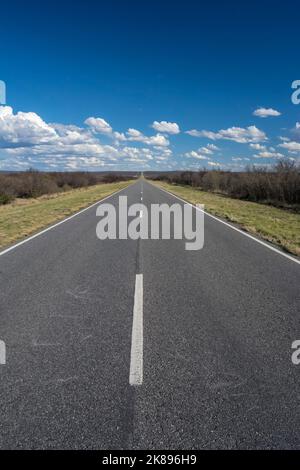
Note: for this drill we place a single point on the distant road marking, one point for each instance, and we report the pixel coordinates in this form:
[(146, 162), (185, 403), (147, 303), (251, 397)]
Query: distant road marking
[(7, 250), (136, 356), (291, 258)]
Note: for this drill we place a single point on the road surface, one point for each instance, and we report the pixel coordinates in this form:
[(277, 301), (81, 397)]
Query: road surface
[(214, 359)]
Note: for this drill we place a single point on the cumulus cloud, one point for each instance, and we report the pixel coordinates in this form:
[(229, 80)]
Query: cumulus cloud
[(23, 128), (258, 146), (120, 136), (291, 146), (134, 154), (166, 127), (212, 147), (236, 134), (206, 150), (266, 112), (194, 133), (158, 140), (195, 154), (99, 125), (267, 154), (203, 153), (27, 140)]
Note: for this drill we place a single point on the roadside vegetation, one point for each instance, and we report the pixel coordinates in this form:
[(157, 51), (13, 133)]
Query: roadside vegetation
[(275, 218), (32, 183), (24, 216), (279, 187)]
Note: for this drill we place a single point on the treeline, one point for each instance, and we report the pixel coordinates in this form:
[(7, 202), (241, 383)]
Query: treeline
[(33, 183), (279, 187)]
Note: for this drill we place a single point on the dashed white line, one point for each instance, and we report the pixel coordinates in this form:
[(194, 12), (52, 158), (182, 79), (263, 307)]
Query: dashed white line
[(136, 357)]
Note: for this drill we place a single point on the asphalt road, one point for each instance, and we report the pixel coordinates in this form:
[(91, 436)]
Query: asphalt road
[(218, 325)]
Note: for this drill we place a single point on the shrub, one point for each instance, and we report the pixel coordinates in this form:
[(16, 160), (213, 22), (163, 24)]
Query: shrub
[(5, 198), (280, 186), (33, 183)]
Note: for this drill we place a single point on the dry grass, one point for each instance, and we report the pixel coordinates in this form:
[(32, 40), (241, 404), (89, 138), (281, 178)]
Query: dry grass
[(24, 217), (277, 226)]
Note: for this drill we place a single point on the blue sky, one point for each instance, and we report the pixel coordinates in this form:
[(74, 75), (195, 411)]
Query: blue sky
[(98, 85)]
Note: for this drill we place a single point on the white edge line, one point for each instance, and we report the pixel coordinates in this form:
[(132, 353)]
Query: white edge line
[(7, 250), (136, 355), (291, 258)]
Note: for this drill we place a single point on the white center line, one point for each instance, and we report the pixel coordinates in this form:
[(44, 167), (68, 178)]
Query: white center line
[(136, 357)]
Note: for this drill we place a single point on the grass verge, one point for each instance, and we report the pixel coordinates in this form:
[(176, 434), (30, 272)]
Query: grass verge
[(277, 226), (23, 217)]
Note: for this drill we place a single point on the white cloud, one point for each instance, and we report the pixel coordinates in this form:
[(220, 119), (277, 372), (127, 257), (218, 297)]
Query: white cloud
[(99, 125), (195, 133), (120, 136), (205, 150), (212, 147), (258, 146), (239, 159), (137, 154), (267, 154), (203, 153), (291, 146), (236, 134), (194, 154), (27, 140), (166, 127), (23, 128), (158, 140), (134, 133), (266, 112)]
